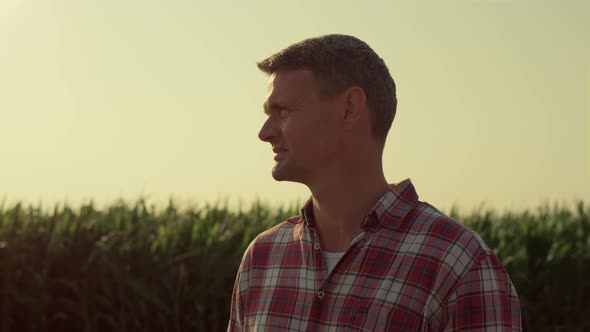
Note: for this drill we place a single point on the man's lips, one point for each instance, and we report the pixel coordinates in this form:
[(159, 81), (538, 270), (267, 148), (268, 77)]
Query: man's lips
[(277, 149)]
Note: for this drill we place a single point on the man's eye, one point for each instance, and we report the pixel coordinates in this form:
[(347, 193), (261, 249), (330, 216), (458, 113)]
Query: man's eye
[(283, 112)]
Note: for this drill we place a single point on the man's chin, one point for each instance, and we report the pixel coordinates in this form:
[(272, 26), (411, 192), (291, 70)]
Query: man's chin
[(278, 176), (281, 174)]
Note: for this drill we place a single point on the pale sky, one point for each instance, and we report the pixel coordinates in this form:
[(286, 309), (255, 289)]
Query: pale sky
[(108, 99)]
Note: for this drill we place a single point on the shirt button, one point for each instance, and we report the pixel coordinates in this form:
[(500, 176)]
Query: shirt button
[(321, 294), (316, 246)]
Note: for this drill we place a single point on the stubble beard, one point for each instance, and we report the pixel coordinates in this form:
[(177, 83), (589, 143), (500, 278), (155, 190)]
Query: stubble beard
[(279, 173), (284, 171)]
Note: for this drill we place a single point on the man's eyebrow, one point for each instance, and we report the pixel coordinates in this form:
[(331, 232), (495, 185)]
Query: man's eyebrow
[(272, 106)]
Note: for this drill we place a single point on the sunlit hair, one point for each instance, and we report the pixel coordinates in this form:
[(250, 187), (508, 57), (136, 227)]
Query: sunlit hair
[(339, 62)]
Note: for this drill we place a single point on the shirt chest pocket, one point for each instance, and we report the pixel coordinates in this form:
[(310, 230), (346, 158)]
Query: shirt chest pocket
[(370, 315)]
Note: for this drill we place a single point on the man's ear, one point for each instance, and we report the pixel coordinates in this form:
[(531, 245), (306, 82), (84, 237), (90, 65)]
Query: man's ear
[(355, 105)]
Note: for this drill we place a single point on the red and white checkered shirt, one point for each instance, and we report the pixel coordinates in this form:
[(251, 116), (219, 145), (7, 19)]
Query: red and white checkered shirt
[(411, 269)]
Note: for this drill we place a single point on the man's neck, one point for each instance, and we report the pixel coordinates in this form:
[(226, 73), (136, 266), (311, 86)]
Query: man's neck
[(340, 206)]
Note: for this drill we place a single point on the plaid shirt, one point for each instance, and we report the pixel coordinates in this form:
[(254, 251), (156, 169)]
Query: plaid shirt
[(411, 269)]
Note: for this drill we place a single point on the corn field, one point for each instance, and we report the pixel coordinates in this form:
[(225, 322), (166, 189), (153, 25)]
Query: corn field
[(132, 268)]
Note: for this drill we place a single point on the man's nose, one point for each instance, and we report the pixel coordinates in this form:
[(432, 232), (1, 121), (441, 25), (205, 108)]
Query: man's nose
[(268, 131)]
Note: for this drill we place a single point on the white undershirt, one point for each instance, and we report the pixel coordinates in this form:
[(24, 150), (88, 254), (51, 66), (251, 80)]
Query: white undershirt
[(331, 259)]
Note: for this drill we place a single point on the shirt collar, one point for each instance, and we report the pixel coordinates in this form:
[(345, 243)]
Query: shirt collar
[(389, 211)]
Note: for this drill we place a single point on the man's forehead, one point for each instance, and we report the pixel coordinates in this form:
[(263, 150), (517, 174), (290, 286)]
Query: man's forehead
[(291, 77), (290, 81), (274, 99), (270, 84), (285, 92)]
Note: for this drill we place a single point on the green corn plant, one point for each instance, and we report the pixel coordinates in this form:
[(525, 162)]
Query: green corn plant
[(130, 267)]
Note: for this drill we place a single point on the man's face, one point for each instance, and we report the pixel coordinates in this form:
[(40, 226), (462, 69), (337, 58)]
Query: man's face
[(302, 127)]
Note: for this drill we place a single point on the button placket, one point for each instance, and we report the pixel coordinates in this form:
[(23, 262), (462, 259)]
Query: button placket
[(316, 245), (321, 294)]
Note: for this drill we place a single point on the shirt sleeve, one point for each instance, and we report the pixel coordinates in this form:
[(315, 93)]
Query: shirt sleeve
[(484, 300), (236, 315)]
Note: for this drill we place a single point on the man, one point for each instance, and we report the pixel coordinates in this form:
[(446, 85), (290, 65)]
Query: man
[(363, 254)]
